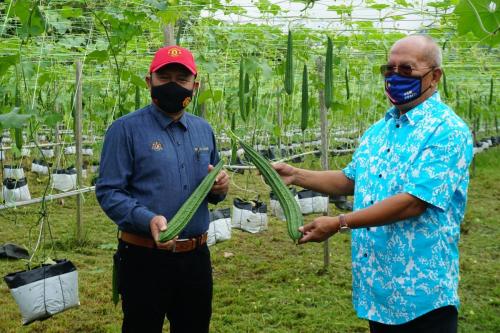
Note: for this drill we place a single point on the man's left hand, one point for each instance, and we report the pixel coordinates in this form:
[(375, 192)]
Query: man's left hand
[(319, 230), (221, 185)]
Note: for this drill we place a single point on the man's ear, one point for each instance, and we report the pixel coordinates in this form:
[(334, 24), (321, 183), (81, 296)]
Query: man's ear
[(196, 85), (148, 80), (436, 75)]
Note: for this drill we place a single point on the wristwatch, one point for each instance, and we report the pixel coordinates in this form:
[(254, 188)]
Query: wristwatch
[(344, 228)]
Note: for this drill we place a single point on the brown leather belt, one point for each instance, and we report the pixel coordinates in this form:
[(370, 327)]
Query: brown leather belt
[(181, 245)]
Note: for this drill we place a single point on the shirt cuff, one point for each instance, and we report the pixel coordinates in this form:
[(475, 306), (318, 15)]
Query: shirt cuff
[(215, 198), (141, 217)]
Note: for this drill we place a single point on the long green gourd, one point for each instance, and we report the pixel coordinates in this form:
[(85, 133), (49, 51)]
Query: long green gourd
[(347, 90), (289, 65), (190, 206), (137, 98), (241, 90), (305, 100), (329, 74), (234, 148), (18, 132), (290, 207), (490, 100), (445, 85)]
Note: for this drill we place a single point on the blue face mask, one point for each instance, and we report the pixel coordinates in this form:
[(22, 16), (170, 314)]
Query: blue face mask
[(404, 89)]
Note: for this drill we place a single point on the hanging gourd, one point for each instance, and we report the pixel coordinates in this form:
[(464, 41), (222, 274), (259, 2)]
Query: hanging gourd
[(247, 98), (137, 98), (241, 91), (18, 132), (289, 65), (305, 100), (491, 91), (329, 74), (234, 146), (347, 90), (445, 86)]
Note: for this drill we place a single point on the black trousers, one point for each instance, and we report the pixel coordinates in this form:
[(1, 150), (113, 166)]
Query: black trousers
[(156, 283), (441, 320)]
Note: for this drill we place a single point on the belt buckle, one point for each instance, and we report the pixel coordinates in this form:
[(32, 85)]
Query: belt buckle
[(175, 243)]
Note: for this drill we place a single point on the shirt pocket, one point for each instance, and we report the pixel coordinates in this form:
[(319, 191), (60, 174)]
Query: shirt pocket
[(201, 162)]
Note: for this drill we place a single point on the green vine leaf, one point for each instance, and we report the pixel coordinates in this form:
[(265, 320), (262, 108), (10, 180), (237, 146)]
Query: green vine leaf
[(481, 17)]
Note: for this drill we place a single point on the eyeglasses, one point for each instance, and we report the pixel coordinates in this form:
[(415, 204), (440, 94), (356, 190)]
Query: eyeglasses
[(387, 70)]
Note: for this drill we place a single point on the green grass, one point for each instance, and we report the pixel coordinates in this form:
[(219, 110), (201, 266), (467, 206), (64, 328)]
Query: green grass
[(269, 284)]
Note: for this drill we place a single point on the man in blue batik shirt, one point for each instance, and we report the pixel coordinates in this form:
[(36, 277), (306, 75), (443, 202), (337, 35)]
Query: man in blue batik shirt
[(151, 162), (409, 177)]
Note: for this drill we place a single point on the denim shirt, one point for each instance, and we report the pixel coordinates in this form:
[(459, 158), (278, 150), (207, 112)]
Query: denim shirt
[(405, 269), (150, 165)]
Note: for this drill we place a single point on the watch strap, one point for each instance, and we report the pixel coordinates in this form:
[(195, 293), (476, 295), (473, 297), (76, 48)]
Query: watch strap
[(344, 227)]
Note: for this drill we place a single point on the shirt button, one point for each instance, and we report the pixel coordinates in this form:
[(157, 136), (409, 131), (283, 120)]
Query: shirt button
[(178, 143), (185, 187), (397, 126), (368, 229), (365, 255), (371, 201), (389, 149), (380, 176), (182, 166)]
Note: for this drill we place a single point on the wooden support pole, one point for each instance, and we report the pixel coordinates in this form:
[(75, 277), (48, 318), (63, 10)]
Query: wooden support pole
[(169, 35), (78, 141), (324, 148)]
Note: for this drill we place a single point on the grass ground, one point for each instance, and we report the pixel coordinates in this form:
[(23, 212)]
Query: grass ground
[(268, 284)]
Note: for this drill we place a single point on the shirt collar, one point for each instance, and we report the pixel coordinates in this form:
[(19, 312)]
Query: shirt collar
[(417, 113), (165, 120)]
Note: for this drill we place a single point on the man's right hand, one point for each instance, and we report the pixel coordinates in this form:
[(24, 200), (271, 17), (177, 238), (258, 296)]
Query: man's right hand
[(156, 225), (286, 171)]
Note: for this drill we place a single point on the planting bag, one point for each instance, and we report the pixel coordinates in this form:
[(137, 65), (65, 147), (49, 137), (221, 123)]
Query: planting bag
[(70, 150), (48, 153), (13, 251), (312, 202), (87, 151), (64, 179), (44, 291), (25, 152), (249, 216), (40, 167), (220, 226), (14, 190), (13, 172)]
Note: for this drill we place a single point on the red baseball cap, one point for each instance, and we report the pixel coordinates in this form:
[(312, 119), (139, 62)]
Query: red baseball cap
[(170, 55)]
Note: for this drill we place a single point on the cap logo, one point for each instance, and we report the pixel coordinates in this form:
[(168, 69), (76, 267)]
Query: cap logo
[(174, 52)]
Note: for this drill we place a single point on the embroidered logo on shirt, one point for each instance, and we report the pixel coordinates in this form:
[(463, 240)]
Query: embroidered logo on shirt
[(186, 102), (157, 146)]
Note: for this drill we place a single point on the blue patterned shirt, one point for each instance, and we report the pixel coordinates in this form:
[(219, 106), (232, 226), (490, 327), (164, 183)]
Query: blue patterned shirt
[(405, 269)]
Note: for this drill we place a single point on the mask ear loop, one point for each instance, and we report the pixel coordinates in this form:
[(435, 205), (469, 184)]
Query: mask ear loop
[(421, 79)]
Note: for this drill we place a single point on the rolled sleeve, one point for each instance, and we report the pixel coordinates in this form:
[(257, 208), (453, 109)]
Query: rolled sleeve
[(350, 170), (115, 170), (440, 167)]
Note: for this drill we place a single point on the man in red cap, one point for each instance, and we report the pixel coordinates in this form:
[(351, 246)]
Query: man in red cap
[(151, 162)]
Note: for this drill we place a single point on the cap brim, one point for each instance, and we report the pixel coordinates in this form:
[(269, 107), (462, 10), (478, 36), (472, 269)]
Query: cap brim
[(173, 62)]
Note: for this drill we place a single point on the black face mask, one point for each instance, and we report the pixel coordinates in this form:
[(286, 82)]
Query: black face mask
[(171, 97)]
